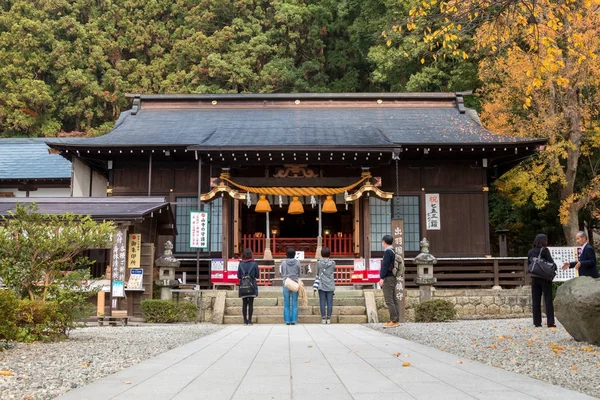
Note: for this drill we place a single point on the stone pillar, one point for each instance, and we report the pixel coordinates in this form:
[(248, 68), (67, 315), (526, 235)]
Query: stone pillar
[(425, 279), (166, 275), (502, 241)]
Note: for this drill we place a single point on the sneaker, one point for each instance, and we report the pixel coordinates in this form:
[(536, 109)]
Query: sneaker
[(328, 320), (391, 324), (323, 321), (288, 323), (249, 322)]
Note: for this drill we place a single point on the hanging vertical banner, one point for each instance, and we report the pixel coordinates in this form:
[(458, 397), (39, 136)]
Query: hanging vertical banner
[(135, 250), (432, 211), (119, 261), (199, 223)]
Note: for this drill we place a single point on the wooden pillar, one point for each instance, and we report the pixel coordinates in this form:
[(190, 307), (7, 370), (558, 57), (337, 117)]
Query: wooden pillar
[(366, 225), (357, 230), (225, 221), (237, 228), (100, 304)]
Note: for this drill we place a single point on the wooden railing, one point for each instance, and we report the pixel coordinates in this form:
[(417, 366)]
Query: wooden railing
[(471, 273), (339, 246)]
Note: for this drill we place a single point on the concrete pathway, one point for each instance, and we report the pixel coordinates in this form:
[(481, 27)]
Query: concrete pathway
[(313, 362)]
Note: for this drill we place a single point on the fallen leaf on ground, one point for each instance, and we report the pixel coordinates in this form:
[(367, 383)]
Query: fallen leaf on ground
[(309, 346), (127, 383), (574, 368), (459, 362), (406, 364), (6, 373), (396, 354)]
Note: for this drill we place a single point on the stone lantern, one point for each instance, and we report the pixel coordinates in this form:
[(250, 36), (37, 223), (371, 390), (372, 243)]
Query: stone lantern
[(425, 279), (166, 272)]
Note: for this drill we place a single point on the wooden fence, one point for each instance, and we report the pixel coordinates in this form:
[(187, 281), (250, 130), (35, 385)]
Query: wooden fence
[(483, 273), (340, 246)]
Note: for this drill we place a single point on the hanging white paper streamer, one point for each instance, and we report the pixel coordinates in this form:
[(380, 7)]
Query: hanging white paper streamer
[(248, 200), (313, 201), (280, 201)]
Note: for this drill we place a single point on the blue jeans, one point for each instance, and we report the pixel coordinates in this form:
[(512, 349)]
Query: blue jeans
[(325, 298), (290, 306)]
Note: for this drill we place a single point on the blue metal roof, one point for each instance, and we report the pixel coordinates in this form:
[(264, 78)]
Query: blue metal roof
[(28, 158)]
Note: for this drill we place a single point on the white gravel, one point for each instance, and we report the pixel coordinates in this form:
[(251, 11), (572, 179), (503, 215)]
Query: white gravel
[(47, 370), (548, 354)]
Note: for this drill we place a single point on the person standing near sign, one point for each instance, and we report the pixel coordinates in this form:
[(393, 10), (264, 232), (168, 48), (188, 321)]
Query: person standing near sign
[(250, 267), (387, 281), (541, 286), (587, 264), (290, 268), (325, 272)]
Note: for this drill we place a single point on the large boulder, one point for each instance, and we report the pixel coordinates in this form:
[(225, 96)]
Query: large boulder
[(577, 307)]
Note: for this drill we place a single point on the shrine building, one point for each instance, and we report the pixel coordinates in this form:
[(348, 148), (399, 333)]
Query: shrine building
[(302, 170)]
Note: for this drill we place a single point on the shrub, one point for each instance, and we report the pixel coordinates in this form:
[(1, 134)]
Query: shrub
[(436, 310), (39, 320), (168, 311), (9, 307)]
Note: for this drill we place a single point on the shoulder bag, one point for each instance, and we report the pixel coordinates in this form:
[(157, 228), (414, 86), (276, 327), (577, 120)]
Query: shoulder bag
[(540, 268)]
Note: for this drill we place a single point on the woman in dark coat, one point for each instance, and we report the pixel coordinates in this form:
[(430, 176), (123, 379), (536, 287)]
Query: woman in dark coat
[(250, 267), (541, 286)]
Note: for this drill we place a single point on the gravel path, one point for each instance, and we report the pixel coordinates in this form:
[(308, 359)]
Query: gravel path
[(548, 354), (46, 370)]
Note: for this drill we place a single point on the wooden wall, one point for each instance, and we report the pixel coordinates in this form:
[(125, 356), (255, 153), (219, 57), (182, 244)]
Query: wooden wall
[(461, 185)]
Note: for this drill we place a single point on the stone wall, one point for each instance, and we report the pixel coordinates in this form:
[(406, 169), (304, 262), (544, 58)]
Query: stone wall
[(469, 303)]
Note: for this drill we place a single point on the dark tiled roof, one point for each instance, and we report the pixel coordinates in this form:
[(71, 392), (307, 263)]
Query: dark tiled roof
[(28, 158), (241, 121), (119, 208)]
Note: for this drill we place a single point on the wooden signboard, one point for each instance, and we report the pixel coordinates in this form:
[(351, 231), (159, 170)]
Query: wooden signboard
[(398, 236)]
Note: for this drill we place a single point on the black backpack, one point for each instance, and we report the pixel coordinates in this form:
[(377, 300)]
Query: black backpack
[(247, 284)]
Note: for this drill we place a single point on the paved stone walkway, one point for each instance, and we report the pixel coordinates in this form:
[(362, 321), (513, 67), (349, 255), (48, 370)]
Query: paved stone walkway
[(313, 362)]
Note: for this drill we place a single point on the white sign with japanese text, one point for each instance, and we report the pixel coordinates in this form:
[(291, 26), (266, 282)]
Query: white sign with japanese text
[(199, 223), (432, 211)]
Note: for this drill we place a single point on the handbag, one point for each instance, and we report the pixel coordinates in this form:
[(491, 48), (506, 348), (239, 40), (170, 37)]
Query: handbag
[(316, 283), (291, 285), (541, 268), (247, 285)]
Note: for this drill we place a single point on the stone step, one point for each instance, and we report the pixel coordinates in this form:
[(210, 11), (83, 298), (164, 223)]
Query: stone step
[(270, 292), (278, 319), (274, 301), (310, 310), (302, 319)]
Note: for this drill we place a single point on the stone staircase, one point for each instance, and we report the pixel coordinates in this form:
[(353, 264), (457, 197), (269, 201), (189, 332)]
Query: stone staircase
[(348, 308)]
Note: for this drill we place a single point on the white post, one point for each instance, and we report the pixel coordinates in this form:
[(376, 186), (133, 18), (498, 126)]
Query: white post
[(319, 237), (268, 255)]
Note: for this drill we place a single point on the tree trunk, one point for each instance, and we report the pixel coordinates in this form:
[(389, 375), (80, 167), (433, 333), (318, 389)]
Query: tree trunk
[(575, 135), (572, 226)]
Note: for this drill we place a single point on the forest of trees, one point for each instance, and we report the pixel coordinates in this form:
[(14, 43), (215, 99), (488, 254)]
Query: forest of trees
[(66, 65)]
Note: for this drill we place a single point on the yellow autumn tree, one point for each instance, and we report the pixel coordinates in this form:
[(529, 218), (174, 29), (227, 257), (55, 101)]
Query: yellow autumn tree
[(540, 78)]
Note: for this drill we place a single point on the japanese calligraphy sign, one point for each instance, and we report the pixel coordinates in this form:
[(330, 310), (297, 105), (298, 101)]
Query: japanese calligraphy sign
[(398, 236), (561, 255), (432, 211), (199, 229), (119, 260), (135, 250)]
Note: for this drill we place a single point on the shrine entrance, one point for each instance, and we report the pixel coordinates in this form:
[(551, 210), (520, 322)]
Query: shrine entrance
[(298, 231)]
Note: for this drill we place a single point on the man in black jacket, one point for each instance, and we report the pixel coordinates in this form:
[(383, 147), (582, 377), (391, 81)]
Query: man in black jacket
[(388, 281), (587, 260)]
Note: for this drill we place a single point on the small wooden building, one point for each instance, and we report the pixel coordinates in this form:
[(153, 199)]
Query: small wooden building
[(421, 157)]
